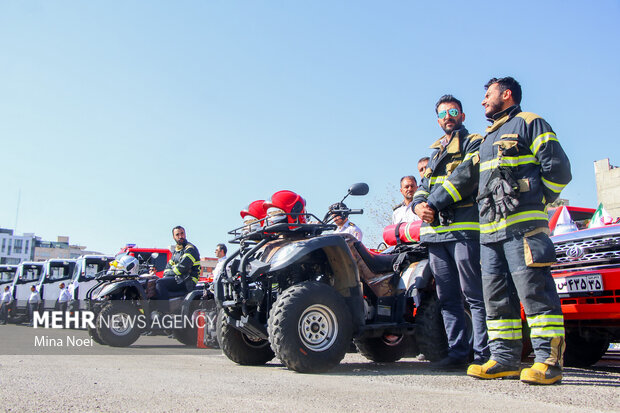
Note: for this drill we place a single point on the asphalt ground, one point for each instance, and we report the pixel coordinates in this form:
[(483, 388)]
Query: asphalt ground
[(159, 374)]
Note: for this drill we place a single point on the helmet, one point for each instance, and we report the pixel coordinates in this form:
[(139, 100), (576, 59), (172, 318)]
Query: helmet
[(285, 206), (126, 263), (339, 209), (252, 214)]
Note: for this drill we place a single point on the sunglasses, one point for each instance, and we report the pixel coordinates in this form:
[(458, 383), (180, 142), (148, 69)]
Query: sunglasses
[(452, 112)]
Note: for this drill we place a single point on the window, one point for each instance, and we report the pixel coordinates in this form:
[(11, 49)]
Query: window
[(17, 246), (26, 247), (3, 244)]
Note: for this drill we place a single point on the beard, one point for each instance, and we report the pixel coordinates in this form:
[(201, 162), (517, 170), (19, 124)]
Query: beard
[(182, 242), (492, 109), (452, 127)]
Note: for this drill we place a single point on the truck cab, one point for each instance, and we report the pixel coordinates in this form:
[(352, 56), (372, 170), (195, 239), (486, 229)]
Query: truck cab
[(27, 275), (83, 278), (55, 272), (7, 274)]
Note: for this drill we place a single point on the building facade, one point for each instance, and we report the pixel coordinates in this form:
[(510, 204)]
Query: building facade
[(608, 186), (16, 248)]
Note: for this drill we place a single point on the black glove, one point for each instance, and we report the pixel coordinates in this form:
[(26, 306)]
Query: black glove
[(487, 207), (179, 279), (505, 198), (445, 217), (501, 195)]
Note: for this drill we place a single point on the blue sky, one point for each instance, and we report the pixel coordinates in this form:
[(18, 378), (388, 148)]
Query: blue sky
[(122, 119)]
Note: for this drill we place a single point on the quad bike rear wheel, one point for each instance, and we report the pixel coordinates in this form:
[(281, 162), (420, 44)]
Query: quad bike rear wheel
[(430, 332), (310, 327), (240, 348), (385, 349), (189, 335)]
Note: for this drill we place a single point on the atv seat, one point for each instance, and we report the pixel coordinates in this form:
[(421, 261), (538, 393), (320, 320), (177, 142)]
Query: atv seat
[(175, 294), (377, 263)]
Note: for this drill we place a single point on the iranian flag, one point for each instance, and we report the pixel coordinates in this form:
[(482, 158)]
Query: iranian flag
[(600, 218)]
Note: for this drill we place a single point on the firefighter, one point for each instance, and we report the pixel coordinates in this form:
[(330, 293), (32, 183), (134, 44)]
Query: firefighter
[(182, 271), (522, 168), (446, 203)]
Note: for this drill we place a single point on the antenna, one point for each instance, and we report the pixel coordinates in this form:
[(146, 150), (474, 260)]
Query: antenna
[(19, 195)]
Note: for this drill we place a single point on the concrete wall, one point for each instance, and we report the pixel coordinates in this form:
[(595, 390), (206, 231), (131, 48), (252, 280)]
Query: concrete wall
[(608, 186)]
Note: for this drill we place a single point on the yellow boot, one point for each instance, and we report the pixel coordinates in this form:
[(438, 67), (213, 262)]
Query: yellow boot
[(492, 370), (541, 373)]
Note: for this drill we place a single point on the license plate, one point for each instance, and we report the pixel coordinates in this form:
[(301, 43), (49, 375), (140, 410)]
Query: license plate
[(579, 284)]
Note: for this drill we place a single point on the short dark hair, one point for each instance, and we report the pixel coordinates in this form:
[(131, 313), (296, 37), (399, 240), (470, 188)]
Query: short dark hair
[(424, 159), (408, 177), (222, 247), (448, 99), (177, 227), (507, 83)]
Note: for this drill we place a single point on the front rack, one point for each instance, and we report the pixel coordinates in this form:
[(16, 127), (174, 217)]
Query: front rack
[(313, 225)]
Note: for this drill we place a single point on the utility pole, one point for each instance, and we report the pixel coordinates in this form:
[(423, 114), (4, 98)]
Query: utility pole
[(19, 195)]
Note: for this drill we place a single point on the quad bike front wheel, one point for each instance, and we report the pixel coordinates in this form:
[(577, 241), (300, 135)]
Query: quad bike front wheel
[(240, 348), (310, 327), (118, 324)]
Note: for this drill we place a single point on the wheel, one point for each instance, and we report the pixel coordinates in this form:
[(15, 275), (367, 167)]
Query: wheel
[(584, 350), (240, 348), (92, 332), (310, 327), (189, 335), (430, 332), (118, 324), (385, 349)]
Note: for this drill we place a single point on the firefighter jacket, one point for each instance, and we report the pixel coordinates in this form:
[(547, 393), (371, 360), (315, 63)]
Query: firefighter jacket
[(449, 186), (525, 144), (185, 263)]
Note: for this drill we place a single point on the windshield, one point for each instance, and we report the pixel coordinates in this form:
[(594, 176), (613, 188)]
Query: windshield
[(30, 273), (7, 275), (94, 266), (60, 270)]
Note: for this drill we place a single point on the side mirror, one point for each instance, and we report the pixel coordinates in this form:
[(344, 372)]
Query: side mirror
[(358, 189)]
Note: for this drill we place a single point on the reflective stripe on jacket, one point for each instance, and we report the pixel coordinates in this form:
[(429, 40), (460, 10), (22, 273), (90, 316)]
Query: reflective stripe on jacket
[(451, 181), (526, 144), (185, 263)]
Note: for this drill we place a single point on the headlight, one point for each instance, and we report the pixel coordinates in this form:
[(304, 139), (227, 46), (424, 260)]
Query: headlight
[(285, 253)]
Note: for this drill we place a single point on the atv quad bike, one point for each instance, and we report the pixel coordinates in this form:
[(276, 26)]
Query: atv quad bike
[(304, 296), (125, 307)]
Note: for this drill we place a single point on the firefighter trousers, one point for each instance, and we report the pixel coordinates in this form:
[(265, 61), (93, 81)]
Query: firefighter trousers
[(456, 268), (514, 271)]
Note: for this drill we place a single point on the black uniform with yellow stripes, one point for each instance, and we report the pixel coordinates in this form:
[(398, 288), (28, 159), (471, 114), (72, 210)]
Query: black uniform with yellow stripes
[(444, 187), (516, 252), (525, 144), (450, 187), (180, 276), (184, 264)]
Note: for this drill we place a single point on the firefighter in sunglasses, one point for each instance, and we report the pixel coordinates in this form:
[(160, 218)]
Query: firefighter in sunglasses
[(446, 202), (522, 168)]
